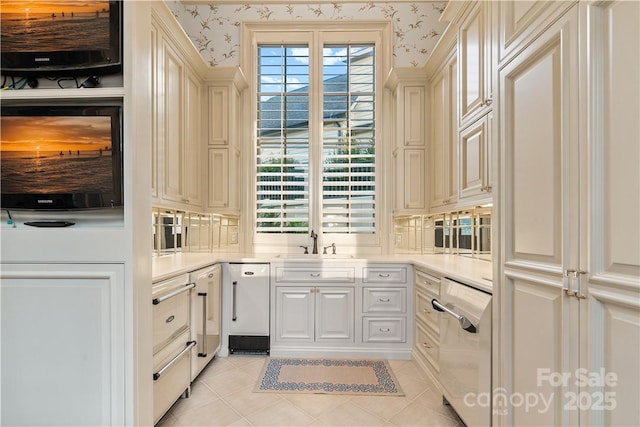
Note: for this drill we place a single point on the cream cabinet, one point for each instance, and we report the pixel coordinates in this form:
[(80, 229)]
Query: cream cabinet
[(475, 62), (315, 313), (341, 310), (427, 323), (206, 316), (409, 154), (444, 134), (475, 161), (224, 93), (178, 140), (63, 344), (570, 295)]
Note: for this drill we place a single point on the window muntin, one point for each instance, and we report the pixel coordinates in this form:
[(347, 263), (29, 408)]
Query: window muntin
[(284, 143)]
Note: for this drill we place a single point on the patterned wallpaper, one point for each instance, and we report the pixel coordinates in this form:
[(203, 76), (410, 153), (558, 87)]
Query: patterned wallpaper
[(215, 28)]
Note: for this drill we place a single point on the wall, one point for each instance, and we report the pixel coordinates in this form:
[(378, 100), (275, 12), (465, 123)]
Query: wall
[(215, 29)]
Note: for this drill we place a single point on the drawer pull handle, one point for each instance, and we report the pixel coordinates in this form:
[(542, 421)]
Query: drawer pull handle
[(426, 345), (384, 275), (427, 311), (464, 322), (185, 288), (384, 329), (173, 361), (234, 296), (384, 299), (426, 282), (170, 319), (314, 274)]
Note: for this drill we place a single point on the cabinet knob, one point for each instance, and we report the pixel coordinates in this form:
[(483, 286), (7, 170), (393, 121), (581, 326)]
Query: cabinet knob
[(426, 345)]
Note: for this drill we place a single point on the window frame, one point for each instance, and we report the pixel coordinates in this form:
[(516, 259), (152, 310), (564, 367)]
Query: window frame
[(316, 35)]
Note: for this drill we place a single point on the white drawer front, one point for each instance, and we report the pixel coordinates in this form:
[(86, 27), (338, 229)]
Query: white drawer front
[(383, 329), (384, 300), (426, 312), (315, 275), (384, 274), (170, 319), (427, 283), (427, 345), (174, 380)]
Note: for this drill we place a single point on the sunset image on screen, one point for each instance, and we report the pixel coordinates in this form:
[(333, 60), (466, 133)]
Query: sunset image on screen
[(56, 154), (48, 26)]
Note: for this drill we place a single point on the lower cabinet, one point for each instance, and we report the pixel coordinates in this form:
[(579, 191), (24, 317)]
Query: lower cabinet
[(314, 313), (345, 310), (427, 323), (63, 337), (186, 333)]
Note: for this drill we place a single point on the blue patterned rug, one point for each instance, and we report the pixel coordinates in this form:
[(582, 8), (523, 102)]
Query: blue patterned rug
[(328, 376)]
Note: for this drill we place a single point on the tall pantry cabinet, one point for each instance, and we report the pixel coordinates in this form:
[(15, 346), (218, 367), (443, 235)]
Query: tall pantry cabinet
[(568, 203)]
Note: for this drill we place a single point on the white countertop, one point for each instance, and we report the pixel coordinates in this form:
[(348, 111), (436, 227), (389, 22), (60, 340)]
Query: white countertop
[(472, 271)]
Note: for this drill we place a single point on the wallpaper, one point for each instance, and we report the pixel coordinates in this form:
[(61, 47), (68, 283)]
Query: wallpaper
[(215, 28)]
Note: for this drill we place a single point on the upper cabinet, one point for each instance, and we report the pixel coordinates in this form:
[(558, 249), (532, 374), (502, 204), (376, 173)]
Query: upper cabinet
[(443, 159), (408, 87), (178, 141), (475, 62), (224, 95)]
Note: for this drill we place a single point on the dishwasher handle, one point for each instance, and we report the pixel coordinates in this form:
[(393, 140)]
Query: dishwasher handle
[(464, 322)]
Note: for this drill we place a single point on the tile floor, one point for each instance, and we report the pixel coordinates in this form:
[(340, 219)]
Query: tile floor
[(222, 396)]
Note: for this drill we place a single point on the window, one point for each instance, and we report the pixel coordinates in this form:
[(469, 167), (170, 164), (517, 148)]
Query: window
[(316, 138)]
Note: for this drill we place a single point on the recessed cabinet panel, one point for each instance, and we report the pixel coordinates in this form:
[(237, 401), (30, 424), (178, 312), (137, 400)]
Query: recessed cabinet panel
[(335, 314), (172, 125), (194, 146), (384, 300), (295, 307), (414, 179), (219, 115), (534, 90), (218, 178), (414, 115), (383, 329)]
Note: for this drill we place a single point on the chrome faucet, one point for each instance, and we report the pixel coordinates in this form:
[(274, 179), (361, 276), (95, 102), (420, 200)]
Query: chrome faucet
[(314, 236)]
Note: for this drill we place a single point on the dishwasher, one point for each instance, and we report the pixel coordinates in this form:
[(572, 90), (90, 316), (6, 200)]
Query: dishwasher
[(465, 350), (248, 284)]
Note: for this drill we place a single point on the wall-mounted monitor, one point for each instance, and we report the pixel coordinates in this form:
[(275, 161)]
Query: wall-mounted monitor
[(60, 38), (61, 157)]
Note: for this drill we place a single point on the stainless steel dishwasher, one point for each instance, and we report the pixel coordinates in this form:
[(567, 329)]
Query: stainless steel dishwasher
[(465, 350), (249, 323)]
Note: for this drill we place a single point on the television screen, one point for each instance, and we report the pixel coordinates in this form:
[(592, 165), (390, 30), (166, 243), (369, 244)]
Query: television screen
[(60, 157), (59, 35)]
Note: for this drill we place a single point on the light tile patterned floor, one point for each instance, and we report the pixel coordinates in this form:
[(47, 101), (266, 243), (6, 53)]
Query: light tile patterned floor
[(222, 396)]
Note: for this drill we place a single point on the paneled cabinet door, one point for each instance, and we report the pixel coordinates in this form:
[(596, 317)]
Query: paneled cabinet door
[(611, 252), (444, 133), (540, 229), (475, 159), (475, 63), (335, 314), (63, 341), (311, 314)]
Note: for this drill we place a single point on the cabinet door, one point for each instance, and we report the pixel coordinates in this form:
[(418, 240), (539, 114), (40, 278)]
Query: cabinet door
[(219, 115), (611, 281), (538, 102), (171, 123), (475, 59), (475, 159), (444, 133), (194, 145), (295, 308), (206, 317), (335, 313), (218, 167), (414, 115), (63, 341), (414, 179), (154, 113)]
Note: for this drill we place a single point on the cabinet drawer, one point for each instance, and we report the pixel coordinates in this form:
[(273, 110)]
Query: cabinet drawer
[(170, 314), (383, 329), (425, 311), (427, 345), (384, 300), (315, 275), (172, 374), (427, 283), (384, 275)]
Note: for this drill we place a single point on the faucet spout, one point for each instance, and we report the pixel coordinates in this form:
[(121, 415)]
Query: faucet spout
[(314, 236)]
